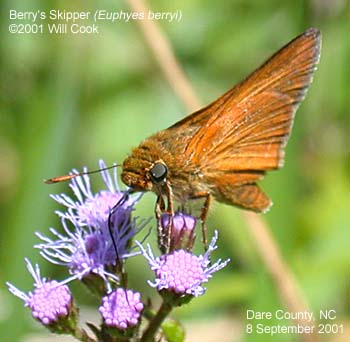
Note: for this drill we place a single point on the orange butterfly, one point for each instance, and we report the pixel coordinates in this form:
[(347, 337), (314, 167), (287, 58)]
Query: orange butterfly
[(221, 150)]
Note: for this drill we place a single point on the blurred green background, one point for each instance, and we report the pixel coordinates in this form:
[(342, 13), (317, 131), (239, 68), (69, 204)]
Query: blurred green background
[(68, 100)]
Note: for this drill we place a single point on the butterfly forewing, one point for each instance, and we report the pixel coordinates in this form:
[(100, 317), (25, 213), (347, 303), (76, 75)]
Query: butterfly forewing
[(259, 109), (246, 133)]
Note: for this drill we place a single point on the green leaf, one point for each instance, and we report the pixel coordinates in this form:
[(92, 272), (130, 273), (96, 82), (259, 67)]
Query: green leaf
[(173, 331)]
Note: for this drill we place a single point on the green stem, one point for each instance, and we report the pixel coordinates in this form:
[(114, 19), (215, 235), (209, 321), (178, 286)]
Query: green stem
[(155, 323)]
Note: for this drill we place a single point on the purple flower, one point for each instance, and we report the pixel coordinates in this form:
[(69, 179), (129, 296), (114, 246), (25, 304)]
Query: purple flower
[(181, 272), (86, 250), (86, 247), (121, 308), (50, 300), (182, 230)]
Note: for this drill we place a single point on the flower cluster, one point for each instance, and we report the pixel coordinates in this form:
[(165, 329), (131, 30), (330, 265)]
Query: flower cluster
[(92, 247), (181, 271), (182, 232), (121, 308), (98, 233), (49, 301)]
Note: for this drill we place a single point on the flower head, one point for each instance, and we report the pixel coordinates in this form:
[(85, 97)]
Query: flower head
[(50, 301), (182, 272), (86, 250), (121, 308), (182, 230), (87, 246)]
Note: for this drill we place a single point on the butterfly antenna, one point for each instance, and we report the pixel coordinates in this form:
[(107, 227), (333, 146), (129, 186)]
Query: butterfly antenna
[(73, 175)]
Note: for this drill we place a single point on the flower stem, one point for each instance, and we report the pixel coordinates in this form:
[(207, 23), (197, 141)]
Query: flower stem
[(164, 310)]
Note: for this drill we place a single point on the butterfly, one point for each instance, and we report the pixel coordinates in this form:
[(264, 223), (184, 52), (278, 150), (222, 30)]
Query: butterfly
[(223, 149)]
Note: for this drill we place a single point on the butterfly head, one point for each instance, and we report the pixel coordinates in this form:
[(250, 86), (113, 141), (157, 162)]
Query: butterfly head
[(142, 175)]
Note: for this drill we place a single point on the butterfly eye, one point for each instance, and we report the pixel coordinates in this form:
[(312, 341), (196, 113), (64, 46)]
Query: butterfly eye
[(158, 172)]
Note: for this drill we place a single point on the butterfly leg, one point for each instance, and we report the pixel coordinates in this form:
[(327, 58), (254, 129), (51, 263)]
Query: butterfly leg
[(159, 210), (170, 209), (204, 214), (164, 233), (160, 207)]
